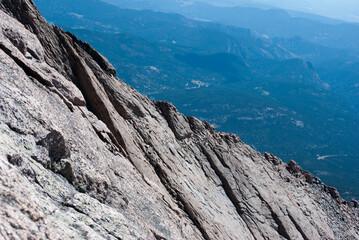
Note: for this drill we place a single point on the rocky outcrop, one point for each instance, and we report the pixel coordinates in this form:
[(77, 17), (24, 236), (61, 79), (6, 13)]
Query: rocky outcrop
[(83, 155)]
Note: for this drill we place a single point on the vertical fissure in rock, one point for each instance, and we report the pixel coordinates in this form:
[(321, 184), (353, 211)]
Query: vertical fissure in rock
[(94, 102), (179, 199), (168, 111), (281, 229), (300, 230), (100, 60), (221, 159), (226, 187)]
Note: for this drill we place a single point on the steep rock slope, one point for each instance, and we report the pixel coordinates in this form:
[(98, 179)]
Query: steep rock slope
[(83, 155)]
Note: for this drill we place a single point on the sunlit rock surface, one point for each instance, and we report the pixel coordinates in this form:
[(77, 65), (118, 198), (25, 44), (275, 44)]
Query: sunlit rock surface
[(84, 155)]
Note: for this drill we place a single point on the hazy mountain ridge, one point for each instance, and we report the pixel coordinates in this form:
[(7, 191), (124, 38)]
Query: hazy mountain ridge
[(272, 22), (162, 27), (320, 10)]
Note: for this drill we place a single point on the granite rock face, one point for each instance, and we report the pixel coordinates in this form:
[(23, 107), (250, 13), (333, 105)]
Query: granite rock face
[(85, 156)]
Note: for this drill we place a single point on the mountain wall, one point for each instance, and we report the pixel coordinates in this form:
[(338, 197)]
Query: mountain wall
[(85, 156)]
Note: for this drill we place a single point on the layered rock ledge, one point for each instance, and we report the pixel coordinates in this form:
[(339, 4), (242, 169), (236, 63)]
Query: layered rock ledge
[(85, 156)]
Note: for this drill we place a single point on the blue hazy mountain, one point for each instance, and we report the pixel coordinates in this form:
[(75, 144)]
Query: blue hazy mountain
[(343, 9), (263, 89), (346, 10), (270, 22)]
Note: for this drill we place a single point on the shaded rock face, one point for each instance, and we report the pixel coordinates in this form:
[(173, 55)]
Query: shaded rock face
[(56, 146), (85, 156)]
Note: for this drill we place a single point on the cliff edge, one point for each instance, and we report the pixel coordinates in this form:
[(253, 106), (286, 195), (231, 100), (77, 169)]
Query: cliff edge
[(85, 156)]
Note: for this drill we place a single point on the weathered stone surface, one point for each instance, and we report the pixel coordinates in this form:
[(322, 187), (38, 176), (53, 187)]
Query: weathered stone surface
[(85, 156), (176, 121)]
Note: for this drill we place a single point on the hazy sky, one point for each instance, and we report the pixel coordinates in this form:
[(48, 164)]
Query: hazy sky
[(341, 9)]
